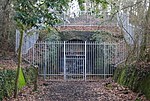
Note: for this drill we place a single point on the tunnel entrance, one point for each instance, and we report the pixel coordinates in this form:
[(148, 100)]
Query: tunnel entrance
[(75, 60)]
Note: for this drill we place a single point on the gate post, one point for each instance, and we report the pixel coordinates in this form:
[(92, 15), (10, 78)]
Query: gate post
[(85, 64), (64, 61)]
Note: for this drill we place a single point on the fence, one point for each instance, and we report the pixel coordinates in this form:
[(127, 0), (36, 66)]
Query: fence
[(76, 60), (128, 28), (28, 41)]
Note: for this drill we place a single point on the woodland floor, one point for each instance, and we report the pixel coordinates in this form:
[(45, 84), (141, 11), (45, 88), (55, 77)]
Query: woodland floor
[(102, 90)]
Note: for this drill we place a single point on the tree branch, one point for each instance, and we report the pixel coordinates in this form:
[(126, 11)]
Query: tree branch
[(5, 6), (118, 11)]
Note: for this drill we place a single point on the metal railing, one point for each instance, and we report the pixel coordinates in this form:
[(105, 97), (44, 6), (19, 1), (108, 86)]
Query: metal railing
[(127, 27), (28, 41), (76, 60)]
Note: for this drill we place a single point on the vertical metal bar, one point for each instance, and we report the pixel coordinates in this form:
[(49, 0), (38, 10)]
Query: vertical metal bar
[(110, 56), (33, 54), (16, 47), (111, 53), (55, 67), (64, 61), (58, 59), (54, 59), (91, 59), (97, 56), (37, 52), (85, 63), (116, 47), (45, 63), (57, 62), (55, 46), (48, 59), (94, 56), (107, 59), (104, 59), (39, 58)]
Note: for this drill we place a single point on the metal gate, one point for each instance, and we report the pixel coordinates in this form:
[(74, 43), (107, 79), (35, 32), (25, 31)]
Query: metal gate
[(74, 60)]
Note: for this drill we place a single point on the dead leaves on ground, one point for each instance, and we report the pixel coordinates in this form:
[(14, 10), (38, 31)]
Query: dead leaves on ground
[(104, 90)]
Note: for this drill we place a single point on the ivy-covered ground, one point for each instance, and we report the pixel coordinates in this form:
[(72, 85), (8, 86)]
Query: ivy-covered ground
[(103, 90)]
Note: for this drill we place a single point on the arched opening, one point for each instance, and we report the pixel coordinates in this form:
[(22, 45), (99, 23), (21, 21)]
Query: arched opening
[(75, 40), (74, 51)]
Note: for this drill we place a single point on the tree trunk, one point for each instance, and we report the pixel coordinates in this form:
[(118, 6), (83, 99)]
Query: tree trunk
[(5, 20), (19, 64), (146, 36)]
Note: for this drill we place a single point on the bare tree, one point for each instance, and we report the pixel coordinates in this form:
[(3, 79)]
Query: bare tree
[(4, 23)]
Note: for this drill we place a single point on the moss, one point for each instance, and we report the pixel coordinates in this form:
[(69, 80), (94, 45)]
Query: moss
[(145, 86), (135, 83), (117, 74), (121, 78), (133, 78)]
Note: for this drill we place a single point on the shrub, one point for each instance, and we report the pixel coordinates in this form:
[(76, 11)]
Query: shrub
[(7, 80)]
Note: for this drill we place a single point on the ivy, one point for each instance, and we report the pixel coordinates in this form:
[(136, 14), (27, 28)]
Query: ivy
[(7, 81)]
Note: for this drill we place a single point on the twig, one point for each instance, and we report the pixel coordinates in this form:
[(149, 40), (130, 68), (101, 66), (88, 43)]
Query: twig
[(118, 11)]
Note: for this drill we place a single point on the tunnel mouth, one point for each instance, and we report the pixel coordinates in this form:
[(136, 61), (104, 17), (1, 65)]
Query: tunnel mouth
[(89, 36), (75, 41)]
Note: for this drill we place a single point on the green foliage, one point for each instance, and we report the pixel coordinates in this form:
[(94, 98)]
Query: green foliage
[(103, 3), (29, 74), (7, 81), (102, 36), (98, 5), (21, 82), (81, 4), (145, 85), (52, 36), (137, 99), (33, 13)]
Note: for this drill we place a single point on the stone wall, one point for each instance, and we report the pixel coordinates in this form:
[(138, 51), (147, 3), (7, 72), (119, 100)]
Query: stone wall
[(116, 31)]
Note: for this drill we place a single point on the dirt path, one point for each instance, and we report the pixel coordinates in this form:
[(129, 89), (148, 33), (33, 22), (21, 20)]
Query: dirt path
[(104, 90)]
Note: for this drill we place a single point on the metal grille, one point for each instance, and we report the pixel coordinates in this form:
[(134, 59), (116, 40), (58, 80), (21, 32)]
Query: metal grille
[(76, 60)]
